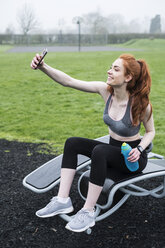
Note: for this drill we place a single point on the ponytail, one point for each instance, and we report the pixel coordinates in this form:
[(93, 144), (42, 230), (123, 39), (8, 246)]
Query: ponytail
[(140, 93)]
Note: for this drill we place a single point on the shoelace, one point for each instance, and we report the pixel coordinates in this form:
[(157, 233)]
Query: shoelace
[(81, 216), (52, 201)]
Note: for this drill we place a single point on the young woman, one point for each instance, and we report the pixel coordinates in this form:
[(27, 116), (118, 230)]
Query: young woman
[(127, 105)]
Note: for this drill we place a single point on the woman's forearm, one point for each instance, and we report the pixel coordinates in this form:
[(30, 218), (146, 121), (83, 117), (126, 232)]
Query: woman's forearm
[(58, 76), (147, 139)]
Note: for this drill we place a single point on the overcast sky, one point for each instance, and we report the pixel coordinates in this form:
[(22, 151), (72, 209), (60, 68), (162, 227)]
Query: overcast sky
[(50, 11)]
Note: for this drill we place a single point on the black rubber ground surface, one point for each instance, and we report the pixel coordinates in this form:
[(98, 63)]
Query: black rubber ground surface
[(140, 223)]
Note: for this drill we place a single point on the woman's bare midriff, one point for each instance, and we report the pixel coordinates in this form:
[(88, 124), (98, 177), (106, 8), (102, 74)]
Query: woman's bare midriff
[(120, 138)]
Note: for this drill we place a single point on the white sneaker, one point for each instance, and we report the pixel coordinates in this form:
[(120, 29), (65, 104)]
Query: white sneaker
[(55, 207), (83, 220)]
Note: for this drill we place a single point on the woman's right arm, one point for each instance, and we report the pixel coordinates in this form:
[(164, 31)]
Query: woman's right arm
[(65, 80)]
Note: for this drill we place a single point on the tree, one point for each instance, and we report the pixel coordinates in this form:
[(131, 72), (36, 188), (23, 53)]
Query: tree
[(155, 26), (134, 26), (116, 24), (9, 29), (27, 19), (94, 23)]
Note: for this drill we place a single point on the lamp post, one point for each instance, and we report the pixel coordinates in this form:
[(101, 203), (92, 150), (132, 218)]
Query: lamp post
[(79, 35), (78, 21)]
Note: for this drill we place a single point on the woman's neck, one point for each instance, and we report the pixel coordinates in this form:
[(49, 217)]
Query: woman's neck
[(120, 95)]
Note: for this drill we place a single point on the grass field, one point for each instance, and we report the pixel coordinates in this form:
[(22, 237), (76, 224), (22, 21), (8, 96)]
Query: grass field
[(33, 108)]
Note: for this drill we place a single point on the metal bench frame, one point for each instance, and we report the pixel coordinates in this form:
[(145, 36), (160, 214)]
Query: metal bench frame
[(127, 186)]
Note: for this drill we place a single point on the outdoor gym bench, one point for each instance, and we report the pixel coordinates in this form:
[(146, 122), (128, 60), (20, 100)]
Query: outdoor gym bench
[(118, 187)]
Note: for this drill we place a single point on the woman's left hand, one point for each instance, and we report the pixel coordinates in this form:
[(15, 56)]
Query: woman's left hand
[(134, 155)]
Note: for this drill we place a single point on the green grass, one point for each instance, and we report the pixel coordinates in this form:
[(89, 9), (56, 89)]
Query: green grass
[(147, 44), (4, 48), (33, 108)]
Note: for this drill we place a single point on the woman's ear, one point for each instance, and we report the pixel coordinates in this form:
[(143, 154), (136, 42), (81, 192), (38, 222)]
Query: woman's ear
[(128, 78)]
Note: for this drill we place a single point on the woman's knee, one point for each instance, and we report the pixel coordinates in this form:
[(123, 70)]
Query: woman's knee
[(98, 151), (71, 142)]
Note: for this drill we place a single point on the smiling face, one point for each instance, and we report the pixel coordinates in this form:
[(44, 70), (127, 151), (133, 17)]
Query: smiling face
[(116, 74)]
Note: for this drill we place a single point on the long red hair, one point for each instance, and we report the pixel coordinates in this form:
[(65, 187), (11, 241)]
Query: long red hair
[(138, 87)]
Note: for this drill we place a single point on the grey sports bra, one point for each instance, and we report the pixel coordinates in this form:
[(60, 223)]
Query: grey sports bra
[(123, 127)]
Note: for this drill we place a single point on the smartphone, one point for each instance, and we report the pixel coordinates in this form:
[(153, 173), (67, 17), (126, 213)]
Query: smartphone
[(45, 51)]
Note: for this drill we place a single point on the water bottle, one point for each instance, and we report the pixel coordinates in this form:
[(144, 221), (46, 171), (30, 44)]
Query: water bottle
[(125, 150)]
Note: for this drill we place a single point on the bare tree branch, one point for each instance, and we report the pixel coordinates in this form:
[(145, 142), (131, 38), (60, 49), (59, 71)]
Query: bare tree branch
[(27, 19)]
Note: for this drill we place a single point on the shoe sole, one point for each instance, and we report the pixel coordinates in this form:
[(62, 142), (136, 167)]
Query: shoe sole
[(62, 211), (80, 230)]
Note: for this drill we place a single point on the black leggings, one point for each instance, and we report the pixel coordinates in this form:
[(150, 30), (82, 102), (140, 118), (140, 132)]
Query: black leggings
[(102, 156)]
